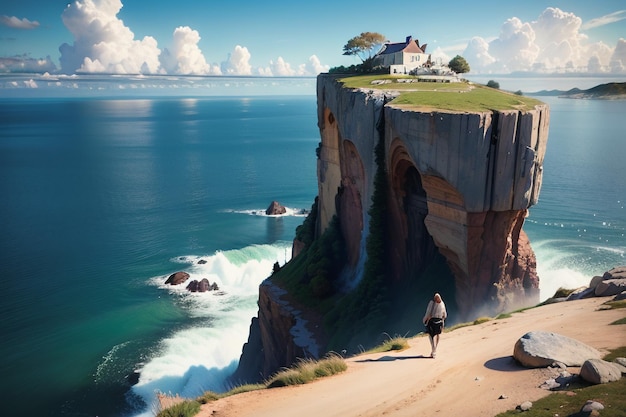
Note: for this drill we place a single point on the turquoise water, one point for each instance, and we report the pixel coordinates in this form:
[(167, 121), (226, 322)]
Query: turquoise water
[(102, 199), (578, 227)]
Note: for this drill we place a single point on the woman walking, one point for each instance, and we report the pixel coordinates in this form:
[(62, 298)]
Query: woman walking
[(434, 321)]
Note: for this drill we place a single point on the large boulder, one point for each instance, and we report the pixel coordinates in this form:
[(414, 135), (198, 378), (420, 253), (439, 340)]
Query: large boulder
[(275, 209), (177, 278), (595, 281), (619, 272), (610, 287), (540, 349), (598, 371), (582, 292)]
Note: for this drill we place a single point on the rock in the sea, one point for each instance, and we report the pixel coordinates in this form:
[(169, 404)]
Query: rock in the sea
[(275, 208), (204, 285), (610, 287), (177, 278), (598, 371), (541, 349)]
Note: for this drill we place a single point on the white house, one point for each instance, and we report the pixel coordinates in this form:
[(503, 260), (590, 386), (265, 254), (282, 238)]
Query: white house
[(402, 57)]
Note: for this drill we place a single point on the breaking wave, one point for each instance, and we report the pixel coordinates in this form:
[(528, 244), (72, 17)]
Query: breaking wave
[(204, 352)]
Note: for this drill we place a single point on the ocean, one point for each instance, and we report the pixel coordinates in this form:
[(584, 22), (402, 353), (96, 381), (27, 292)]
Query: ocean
[(109, 185)]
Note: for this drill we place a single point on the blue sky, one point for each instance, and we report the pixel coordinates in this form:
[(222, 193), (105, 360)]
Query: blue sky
[(303, 38)]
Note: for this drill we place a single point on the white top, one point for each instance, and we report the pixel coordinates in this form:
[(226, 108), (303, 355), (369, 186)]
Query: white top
[(437, 310)]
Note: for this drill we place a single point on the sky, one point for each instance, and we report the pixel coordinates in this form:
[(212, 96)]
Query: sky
[(298, 38)]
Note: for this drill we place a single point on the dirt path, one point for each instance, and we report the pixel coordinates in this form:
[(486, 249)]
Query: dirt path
[(473, 368)]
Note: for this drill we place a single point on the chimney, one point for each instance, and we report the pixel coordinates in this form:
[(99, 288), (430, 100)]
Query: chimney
[(409, 39)]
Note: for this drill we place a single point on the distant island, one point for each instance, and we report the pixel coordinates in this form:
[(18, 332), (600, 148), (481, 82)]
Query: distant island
[(609, 91)]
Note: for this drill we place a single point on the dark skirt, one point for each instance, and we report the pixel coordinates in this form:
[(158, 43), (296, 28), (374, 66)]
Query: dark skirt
[(434, 326)]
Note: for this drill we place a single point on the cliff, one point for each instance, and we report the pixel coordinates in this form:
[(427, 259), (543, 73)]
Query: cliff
[(457, 184)]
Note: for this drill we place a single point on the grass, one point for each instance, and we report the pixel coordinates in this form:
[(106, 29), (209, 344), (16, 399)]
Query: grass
[(459, 97), (616, 304), (563, 403), (187, 408), (479, 320), (563, 292), (611, 395), (308, 370), (305, 371), (392, 343)]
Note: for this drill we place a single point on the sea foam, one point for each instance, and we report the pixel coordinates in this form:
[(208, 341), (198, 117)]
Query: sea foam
[(201, 355)]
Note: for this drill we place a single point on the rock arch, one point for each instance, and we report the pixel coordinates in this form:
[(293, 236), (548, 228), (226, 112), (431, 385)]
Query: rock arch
[(412, 245)]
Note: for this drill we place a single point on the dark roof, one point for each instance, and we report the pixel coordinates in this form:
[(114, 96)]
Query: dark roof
[(392, 48)]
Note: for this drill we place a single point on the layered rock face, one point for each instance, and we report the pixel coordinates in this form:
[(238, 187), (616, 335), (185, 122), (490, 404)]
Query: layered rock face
[(277, 338), (460, 183)]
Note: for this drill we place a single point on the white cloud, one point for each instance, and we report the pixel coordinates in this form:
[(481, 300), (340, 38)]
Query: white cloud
[(439, 56), (314, 66), (515, 49), (477, 54), (618, 59), (17, 23), (238, 62), (605, 20), (102, 43), (26, 64), (552, 43), (185, 56), (281, 68)]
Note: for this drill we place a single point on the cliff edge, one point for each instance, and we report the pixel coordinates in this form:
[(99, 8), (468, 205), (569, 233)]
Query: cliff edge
[(456, 185), (463, 180)]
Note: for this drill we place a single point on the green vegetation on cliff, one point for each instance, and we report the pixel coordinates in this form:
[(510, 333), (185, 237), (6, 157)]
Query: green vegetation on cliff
[(311, 276), (458, 97)]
